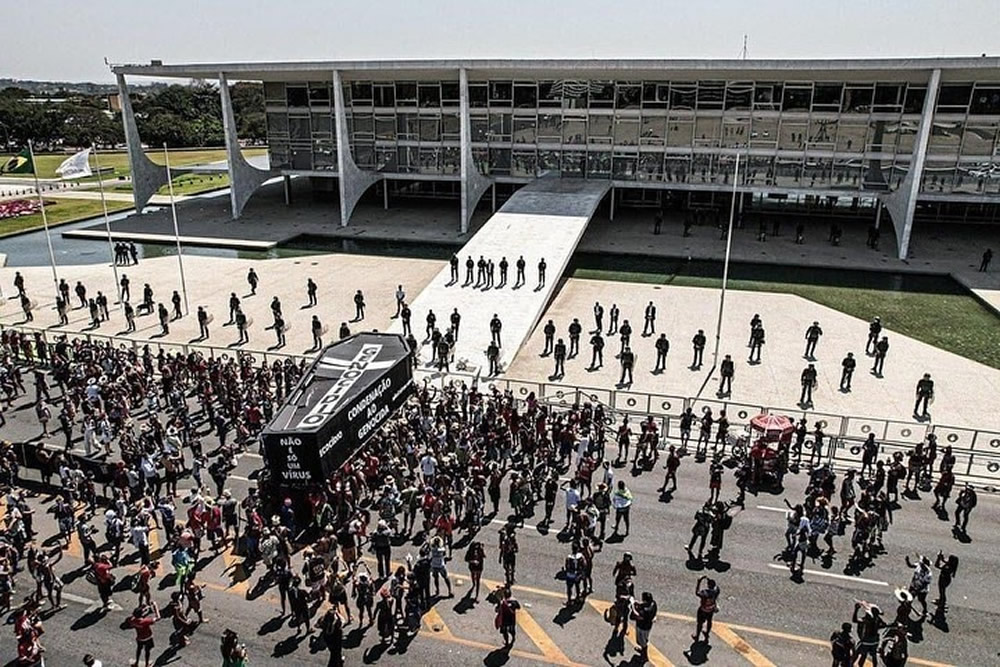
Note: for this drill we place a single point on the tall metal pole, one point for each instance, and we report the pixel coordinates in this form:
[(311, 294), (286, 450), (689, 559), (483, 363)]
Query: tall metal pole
[(45, 219), (725, 266), (107, 227), (177, 235)]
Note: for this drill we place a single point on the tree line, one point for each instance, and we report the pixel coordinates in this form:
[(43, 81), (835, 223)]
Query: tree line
[(181, 116)]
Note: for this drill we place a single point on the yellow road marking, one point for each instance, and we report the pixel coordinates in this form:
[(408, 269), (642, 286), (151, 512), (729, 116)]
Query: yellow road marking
[(656, 658), (438, 629), (752, 655), (234, 566), (432, 619), (541, 639)]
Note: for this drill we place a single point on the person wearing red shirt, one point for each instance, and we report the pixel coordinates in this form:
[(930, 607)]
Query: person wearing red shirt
[(445, 526), (142, 620), (104, 578)]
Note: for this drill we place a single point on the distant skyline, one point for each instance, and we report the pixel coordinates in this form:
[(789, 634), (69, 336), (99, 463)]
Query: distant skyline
[(68, 41)]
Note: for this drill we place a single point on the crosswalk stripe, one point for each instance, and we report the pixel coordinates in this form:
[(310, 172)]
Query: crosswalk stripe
[(541, 638), (656, 658), (432, 619), (437, 629), (749, 653)]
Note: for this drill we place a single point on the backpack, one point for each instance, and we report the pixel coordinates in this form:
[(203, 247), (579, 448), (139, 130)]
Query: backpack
[(571, 567)]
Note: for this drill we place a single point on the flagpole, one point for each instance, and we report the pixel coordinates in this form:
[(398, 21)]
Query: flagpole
[(107, 227), (45, 219), (177, 235), (725, 266)]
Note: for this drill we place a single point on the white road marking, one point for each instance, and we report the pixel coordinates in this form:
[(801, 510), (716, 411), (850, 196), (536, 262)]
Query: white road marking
[(79, 599), (768, 508), (240, 477), (834, 575)]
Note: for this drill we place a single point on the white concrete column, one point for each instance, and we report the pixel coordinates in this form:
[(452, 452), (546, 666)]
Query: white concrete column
[(244, 179), (473, 183), (385, 195), (147, 176), (352, 181), (878, 213), (903, 202), (611, 216)]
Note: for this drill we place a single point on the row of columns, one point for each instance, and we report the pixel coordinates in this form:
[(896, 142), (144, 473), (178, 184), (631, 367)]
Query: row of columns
[(148, 177)]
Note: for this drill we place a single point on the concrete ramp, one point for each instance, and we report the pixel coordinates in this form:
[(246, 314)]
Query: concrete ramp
[(546, 219)]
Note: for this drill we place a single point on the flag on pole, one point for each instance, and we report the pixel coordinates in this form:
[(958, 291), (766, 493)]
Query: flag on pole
[(77, 166), (19, 164)]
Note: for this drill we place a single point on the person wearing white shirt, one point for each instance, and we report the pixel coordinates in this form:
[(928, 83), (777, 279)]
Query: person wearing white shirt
[(428, 467), (572, 500)]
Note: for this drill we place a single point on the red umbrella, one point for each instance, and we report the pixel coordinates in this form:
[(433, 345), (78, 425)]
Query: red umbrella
[(768, 423)]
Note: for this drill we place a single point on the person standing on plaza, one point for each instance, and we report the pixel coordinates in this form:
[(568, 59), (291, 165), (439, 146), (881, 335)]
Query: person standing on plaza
[(662, 347), (470, 267), (202, 323), (874, 330), (142, 621), (453, 263), (456, 322), (707, 592), (359, 306), (613, 319), (925, 394), (311, 289), (406, 315), (317, 332), (400, 300), (726, 370), (597, 350), (541, 273), (520, 279), (253, 281), (504, 266), (881, 349), (480, 272), (575, 329), (493, 356), (847, 371), (164, 320), (550, 333), (755, 322), (644, 612), (649, 317), (241, 326), (984, 264), (808, 384), (598, 317), (698, 343), (627, 359), (279, 331), (964, 504), (495, 327), (430, 321), (625, 334), (756, 343), (559, 355), (812, 338)]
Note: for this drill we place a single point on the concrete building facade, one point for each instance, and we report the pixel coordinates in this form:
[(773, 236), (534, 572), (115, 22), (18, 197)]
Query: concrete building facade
[(920, 137)]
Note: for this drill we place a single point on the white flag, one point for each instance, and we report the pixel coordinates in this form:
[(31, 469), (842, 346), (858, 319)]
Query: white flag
[(77, 166)]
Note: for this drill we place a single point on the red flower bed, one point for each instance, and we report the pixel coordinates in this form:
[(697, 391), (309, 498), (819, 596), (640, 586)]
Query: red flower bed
[(15, 208)]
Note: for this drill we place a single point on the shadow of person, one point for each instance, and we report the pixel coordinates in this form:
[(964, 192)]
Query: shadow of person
[(698, 652)]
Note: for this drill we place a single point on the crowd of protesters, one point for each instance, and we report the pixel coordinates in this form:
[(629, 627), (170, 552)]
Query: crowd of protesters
[(168, 429)]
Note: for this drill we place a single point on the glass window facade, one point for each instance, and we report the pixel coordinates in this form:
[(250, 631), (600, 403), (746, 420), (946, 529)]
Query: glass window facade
[(839, 135)]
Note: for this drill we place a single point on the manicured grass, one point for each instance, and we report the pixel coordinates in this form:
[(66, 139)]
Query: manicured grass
[(59, 211), (953, 322), (188, 184), (48, 163)]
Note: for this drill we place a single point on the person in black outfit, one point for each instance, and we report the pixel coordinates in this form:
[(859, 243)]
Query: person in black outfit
[(493, 355), (628, 363), (575, 329), (550, 333), (456, 321), (808, 382), (756, 343), (359, 306), (405, 315), (311, 289), (469, 268), (495, 327), (874, 329), (317, 332), (812, 338), (698, 343), (504, 265), (984, 264), (597, 350), (203, 323), (925, 392), (848, 364), (454, 268), (881, 349), (726, 370), (625, 332), (649, 325), (520, 279), (662, 347), (541, 273), (559, 354)]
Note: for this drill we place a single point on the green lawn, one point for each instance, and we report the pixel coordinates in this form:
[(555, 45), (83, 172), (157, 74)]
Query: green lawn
[(188, 184), (48, 163), (954, 322), (59, 211)]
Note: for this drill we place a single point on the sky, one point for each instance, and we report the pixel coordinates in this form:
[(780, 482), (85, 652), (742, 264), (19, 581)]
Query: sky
[(69, 40)]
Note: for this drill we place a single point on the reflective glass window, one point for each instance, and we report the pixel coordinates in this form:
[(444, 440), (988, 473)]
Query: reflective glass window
[(602, 94), (548, 161), (526, 95), (629, 96), (298, 96), (574, 130), (429, 95)]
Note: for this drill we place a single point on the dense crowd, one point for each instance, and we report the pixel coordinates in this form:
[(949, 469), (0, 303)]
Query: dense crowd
[(432, 477)]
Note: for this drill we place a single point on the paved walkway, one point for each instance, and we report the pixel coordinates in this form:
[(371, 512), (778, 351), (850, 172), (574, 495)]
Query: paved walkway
[(544, 220)]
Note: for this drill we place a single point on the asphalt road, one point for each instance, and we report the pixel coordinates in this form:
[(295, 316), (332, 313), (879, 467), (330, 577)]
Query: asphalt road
[(766, 617)]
